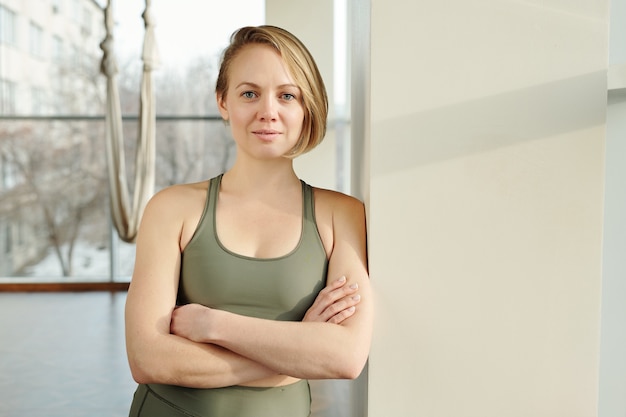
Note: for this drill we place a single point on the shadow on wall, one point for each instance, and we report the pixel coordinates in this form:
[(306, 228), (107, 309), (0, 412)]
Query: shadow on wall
[(487, 123)]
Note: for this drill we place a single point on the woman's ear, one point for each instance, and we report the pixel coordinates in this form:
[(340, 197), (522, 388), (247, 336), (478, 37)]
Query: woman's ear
[(221, 106)]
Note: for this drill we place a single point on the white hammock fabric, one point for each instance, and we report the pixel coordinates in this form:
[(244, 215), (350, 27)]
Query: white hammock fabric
[(126, 218)]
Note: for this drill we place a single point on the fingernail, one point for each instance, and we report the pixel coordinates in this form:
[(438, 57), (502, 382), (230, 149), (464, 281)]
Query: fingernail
[(354, 286), (356, 297), (342, 279)]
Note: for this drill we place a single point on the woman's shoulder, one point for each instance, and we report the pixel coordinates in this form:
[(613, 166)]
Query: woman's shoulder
[(335, 200), (182, 190), (178, 197), (337, 208)]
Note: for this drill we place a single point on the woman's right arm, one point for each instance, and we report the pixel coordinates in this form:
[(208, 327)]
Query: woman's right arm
[(155, 355)]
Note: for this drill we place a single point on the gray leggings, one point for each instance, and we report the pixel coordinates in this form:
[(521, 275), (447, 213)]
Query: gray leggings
[(155, 400)]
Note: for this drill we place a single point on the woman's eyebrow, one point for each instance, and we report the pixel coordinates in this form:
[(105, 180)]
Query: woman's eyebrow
[(256, 86), (247, 84)]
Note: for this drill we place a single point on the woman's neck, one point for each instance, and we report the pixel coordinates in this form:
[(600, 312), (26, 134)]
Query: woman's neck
[(261, 176)]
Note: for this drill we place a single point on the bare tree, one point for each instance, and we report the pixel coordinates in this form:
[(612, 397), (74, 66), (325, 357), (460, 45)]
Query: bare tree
[(60, 166), (64, 182)]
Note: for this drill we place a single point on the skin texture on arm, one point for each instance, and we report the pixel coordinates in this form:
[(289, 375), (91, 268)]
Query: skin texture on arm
[(302, 349), (155, 355)]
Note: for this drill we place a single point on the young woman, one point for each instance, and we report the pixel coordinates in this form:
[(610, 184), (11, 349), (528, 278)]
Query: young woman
[(249, 284)]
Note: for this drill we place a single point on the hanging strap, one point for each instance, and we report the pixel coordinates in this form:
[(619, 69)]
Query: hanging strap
[(126, 218)]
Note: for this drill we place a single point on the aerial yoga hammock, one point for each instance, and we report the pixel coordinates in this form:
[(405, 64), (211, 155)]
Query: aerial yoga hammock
[(126, 218)]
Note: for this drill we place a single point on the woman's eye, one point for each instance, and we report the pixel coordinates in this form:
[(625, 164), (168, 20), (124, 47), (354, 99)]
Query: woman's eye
[(248, 94), (288, 97)]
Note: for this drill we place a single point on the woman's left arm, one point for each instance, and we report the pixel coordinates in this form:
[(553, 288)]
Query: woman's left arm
[(310, 350)]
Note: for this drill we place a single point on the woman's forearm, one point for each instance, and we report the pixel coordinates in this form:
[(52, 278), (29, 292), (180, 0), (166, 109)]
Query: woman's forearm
[(298, 349), (170, 359)]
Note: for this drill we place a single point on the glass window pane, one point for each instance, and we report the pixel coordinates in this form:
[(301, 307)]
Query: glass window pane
[(54, 205), (54, 216)]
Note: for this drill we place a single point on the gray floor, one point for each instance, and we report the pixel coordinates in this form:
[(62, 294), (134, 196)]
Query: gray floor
[(63, 355)]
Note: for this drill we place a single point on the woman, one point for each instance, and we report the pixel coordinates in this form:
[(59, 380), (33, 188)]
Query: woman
[(269, 274)]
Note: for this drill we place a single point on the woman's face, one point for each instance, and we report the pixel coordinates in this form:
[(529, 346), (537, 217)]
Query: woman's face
[(262, 104)]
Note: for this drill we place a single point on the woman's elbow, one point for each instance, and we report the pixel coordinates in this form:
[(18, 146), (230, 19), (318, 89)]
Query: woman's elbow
[(144, 362), (353, 358), (141, 372), (139, 376), (351, 367), (352, 371)]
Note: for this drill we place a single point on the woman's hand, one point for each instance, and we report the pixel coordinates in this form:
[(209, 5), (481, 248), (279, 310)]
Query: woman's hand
[(334, 304), (191, 321)]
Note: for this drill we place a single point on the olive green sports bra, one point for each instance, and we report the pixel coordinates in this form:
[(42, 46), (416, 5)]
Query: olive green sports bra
[(280, 288)]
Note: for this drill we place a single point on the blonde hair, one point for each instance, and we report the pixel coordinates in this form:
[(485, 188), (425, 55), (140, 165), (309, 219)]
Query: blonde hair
[(302, 68)]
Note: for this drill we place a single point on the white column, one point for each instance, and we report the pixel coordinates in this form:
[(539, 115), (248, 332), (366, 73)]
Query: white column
[(613, 335)]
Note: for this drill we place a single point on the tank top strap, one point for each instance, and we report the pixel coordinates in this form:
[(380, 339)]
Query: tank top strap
[(214, 188), (309, 204)]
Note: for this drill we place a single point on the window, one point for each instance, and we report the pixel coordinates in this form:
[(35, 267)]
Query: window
[(38, 100), (36, 40), (7, 26), (75, 57), (57, 49), (7, 97)]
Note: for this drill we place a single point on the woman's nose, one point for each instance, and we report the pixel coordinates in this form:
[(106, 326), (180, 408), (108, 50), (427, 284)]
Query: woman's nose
[(267, 109)]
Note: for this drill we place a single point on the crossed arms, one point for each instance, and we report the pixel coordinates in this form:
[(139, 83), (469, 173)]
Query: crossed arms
[(200, 347)]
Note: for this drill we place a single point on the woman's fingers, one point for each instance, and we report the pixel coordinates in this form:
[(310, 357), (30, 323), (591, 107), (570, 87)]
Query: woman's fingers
[(342, 309), (334, 303), (337, 300), (341, 316), (330, 294)]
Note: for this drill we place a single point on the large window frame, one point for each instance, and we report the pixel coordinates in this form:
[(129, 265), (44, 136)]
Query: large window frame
[(115, 276)]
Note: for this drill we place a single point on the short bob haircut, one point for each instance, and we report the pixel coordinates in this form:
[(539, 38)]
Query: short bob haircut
[(302, 68)]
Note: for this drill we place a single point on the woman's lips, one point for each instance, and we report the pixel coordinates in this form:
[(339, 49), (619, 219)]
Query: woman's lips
[(266, 134)]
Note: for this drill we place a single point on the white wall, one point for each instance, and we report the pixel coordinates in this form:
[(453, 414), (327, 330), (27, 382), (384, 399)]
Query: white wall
[(486, 180), (486, 206)]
